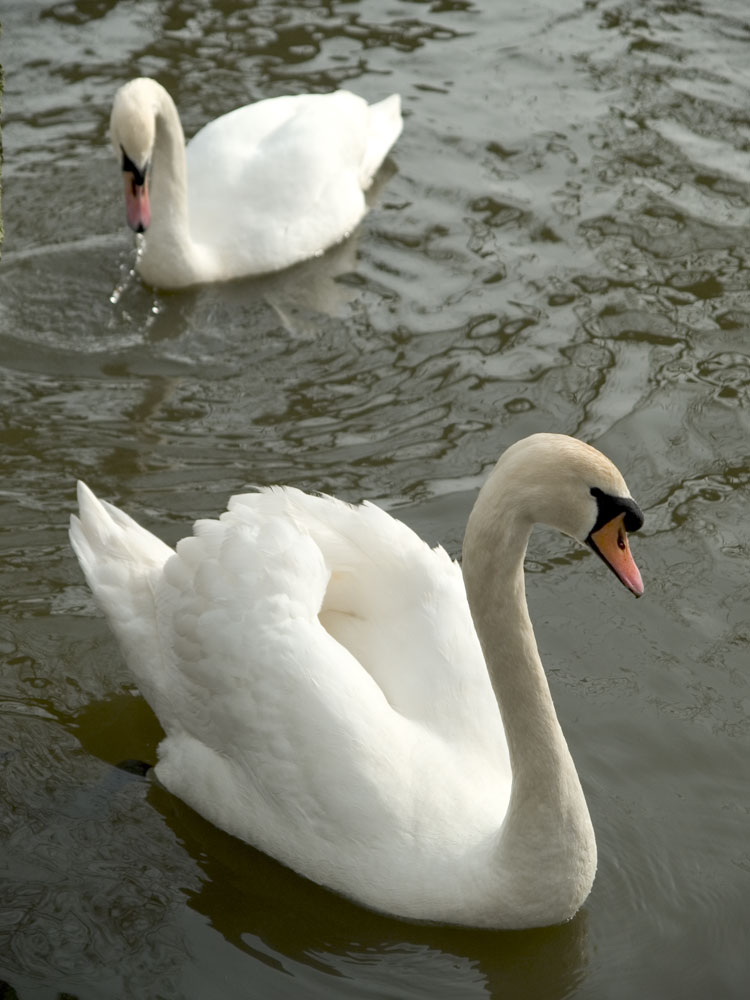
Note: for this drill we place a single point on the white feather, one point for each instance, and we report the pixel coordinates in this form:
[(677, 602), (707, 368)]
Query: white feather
[(257, 189), (325, 696)]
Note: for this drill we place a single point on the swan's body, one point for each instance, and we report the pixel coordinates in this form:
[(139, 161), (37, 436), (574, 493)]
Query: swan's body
[(326, 697), (256, 190)]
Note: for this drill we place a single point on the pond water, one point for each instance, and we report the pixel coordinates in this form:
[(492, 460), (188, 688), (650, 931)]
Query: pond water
[(559, 241)]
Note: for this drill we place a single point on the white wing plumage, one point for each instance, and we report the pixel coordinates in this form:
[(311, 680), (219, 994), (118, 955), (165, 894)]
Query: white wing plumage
[(286, 177), (314, 666)]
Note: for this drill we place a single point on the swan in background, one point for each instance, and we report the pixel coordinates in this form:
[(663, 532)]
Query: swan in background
[(338, 694), (256, 190)]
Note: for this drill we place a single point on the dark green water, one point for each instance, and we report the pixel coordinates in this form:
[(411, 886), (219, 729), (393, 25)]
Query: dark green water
[(560, 241)]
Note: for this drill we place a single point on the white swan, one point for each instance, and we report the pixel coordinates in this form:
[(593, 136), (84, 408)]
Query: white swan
[(256, 190), (325, 696)]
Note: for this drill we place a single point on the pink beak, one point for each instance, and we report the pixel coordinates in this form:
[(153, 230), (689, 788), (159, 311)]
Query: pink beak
[(137, 206)]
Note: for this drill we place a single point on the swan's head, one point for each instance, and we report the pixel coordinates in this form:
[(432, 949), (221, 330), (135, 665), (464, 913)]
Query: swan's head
[(132, 128), (557, 480)]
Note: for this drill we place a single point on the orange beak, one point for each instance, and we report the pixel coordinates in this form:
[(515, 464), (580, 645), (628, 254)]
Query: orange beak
[(611, 543)]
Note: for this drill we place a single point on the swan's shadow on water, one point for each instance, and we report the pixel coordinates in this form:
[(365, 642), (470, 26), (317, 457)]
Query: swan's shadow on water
[(300, 299), (280, 918)]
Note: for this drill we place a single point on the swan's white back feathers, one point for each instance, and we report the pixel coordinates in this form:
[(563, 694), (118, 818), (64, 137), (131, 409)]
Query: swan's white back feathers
[(283, 179)]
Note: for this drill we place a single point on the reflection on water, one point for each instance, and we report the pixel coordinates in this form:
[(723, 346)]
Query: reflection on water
[(109, 898), (559, 243), (278, 917)]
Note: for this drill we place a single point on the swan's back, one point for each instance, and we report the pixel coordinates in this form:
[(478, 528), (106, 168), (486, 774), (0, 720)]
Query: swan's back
[(283, 179)]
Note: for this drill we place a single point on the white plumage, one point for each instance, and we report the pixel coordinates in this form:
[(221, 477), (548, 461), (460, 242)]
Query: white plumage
[(325, 696), (256, 190)]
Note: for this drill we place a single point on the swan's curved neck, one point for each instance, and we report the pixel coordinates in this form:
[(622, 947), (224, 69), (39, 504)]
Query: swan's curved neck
[(497, 599), (169, 171), (547, 835)]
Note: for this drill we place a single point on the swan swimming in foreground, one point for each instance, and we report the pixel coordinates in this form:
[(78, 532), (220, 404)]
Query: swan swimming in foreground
[(256, 190), (338, 694)]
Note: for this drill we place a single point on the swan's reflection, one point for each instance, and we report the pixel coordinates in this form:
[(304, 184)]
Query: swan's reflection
[(274, 916)]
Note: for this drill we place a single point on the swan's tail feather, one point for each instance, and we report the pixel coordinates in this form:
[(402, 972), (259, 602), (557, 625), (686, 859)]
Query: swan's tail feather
[(385, 127), (122, 563), (104, 534)]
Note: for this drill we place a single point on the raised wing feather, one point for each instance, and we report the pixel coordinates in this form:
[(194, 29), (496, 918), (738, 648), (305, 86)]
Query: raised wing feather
[(398, 606)]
